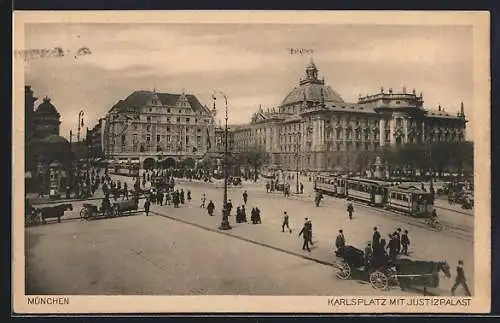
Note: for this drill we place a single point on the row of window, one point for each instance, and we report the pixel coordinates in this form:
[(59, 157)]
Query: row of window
[(163, 128), (399, 196)]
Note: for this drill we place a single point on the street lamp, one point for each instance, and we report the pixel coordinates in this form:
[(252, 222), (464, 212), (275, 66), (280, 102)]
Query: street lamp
[(297, 165), (80, 125), (225, 212)]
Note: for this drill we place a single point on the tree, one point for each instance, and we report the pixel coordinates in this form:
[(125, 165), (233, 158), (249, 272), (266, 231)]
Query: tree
[(255, 157)]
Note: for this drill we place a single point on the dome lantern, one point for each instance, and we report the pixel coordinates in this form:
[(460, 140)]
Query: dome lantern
[(312, 71)]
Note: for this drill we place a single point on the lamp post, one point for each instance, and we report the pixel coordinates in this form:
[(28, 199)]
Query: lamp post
[(297, 164), (225, 212), (80, 125)]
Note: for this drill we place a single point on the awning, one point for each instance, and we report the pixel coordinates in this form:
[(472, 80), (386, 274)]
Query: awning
[(135, 161)]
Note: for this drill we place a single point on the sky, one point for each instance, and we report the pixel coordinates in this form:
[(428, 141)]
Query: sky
[(250, 63)]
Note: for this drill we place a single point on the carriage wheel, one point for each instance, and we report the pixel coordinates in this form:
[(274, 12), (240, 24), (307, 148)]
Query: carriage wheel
[(379, 280), (84, 213), (344, 271)]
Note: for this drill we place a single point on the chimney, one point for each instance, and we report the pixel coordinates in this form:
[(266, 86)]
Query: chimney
[(439, 107)]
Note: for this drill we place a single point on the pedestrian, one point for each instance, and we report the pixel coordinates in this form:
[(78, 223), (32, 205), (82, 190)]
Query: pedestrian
[(305, 232), (229, 207), (392, 247), (257, 213), (245, 197), (147, 204), (285, 223), (340, 243), (301, 188), (189, 196), (310, 226), (460, 280), (182, 196), (210, 208), (350, 210), (405, 242), (397, 235), (160, 197), (238, 214), (203, 200), (267, 187), (375, 238), (243, 214), (253, 216), (368, 254)]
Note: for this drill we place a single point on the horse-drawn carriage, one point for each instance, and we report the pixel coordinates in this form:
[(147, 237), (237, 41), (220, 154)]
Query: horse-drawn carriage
[(92, 211), (382, 273), (125, 206)]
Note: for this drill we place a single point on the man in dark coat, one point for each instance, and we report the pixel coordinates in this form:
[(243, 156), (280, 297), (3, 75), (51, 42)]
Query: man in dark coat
[(285, 223), (460, 280), (392, 247), (397, 236), (210, 208), (147, 204), (229, 207), (243, 214), (350, 210), (368, 254), (238, 214), (306, 234), (340, 242), (376, 238), (245, 197), (405, 242), (182, 196), (160, 197), (175, 198)]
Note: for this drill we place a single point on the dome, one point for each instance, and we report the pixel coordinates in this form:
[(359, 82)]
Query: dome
[(47, 108), (311, 89), (312, 92), (55, 139)]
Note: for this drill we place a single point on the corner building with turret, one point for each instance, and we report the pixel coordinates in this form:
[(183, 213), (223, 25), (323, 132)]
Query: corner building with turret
[(315, 129)]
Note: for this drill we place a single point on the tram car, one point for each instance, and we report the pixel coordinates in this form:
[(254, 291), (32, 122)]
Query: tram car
[(410, 199), (330, 185), (366, 190)]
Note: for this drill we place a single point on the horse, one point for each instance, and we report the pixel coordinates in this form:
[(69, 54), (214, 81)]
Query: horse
[(54, 212), (420, 273)]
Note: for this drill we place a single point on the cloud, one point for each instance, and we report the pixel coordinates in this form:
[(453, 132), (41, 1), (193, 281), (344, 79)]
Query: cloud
[(248, 62)]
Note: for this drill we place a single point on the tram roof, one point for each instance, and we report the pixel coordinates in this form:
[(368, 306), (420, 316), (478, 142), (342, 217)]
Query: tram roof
[(406, 188), (369, 180)]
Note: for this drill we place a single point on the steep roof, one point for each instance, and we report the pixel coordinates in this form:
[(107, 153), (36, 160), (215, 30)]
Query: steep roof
[(138, 99)]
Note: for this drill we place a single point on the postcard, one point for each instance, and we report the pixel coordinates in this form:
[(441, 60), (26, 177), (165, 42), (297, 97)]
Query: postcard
[(251, 161)]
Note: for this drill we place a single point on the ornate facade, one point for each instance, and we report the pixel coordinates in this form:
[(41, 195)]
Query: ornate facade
[(315, 129), (48, 155), (149, 127)]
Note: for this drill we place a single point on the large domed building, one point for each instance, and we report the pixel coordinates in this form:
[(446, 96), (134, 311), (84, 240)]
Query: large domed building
[(44, 146), (315, 129)]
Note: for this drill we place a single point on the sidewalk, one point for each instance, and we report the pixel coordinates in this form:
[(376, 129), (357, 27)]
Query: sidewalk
[(270, 237)]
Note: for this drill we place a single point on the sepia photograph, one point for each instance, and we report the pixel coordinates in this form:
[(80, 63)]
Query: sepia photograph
[(251, 161)]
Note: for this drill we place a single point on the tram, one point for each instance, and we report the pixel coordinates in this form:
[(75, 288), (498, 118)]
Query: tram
[(396, 196), (332, 185), (410, 199), (370, 191)]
